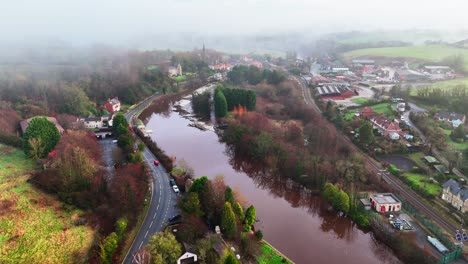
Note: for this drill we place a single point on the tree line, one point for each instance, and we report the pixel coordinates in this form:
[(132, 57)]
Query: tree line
[(241, 74), (226, 99)]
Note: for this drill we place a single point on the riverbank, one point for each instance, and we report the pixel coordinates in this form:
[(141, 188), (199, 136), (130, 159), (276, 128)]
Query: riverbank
[(284, 209)]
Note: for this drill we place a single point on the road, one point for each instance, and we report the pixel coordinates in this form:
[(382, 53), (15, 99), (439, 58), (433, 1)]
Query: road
[(374, 167), (162, 202)]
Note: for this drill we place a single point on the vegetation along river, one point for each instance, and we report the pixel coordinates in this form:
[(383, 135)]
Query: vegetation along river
[(293, 219)]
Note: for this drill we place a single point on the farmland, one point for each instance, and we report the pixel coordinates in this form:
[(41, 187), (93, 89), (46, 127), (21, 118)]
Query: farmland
[(36, 228), (433, 53)]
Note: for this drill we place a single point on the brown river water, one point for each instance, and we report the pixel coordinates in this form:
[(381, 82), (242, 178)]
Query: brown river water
[(293, 220)]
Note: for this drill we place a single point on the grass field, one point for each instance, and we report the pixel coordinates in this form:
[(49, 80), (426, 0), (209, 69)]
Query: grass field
[(13, 162), (453, 144), (417, 158), (383, 108), (269, 256), (432, 188), (359, 100), (34, 227), (434, 53)]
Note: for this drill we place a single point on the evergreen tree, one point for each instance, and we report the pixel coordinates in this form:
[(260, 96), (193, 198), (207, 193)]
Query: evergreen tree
[(229, 196), (239, 211), (119, 122), (220, 104), (228, 221), (250, 216), (46, 136)]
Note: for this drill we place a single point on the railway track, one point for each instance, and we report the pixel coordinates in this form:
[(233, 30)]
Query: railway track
[(409, 195)]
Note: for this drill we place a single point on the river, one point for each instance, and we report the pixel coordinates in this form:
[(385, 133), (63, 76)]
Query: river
[(293, 220)]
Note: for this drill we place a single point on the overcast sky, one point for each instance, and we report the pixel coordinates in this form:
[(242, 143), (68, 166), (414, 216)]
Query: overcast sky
[(101, 20)]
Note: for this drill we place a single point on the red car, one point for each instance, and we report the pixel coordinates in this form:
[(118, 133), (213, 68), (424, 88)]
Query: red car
[(156, 162)]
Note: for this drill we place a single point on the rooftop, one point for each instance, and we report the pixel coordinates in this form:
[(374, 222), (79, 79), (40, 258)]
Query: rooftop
[(385, 198)]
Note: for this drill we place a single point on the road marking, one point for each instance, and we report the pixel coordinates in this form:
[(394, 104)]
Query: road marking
[(154, 216), (146, 234), (151, 223), (140, 245)]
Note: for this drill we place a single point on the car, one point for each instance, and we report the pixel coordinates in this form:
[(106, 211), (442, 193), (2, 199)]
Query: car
[(172, 182), (175, 188), (402, 118), (175, 219), (156, 162)]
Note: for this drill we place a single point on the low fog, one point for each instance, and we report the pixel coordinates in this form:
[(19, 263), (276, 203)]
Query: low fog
[(228, 24)]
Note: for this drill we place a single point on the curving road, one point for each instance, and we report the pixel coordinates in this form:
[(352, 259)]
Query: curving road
[(374, 166), (162, 201)]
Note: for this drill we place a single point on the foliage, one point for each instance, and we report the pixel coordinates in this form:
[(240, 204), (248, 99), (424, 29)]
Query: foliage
[(191, 229), (229, 196), (229, 258), (238, 210), (220, 104), (163, 158), (366, 134), (338, 198), (459, 133), (259, 234), (199, 185), (250, 216), (163, 246), (121, 227), (42, 129), (190, 205), (394, 170), (228, 221), (108, 248), (201, 104), (119, 125), (238, 97)]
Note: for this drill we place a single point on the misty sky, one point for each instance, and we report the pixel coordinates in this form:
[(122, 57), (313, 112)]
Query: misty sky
[(98, 20)]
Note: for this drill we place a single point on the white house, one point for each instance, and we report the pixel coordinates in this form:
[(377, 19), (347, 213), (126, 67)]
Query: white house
[(187, 257)]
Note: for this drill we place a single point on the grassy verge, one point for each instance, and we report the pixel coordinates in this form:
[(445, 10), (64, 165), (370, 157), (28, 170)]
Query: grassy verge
[(420, 180), (359, 100), (35, 227), (269, 255), (383, 108)]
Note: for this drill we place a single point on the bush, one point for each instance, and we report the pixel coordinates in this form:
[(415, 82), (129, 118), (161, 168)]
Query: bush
[(259, 234), (394, 170)]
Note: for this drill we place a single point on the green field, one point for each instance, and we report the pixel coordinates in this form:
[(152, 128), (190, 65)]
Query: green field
[(269, 256), (434, 53), (383, 108), (359, 100), (13, 162), (417, 179), (453, 144), (34, 227)]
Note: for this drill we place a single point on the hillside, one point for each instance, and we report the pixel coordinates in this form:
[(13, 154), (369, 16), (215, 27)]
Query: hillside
[(35, 227), (432, 53)]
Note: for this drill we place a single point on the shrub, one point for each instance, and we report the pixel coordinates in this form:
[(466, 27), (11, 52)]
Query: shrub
[(259, 234)]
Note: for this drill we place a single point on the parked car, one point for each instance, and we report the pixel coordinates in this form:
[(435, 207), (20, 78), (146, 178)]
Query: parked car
[(175, 188), (156, 162), (172, 182), (175, 219), (402, 118)]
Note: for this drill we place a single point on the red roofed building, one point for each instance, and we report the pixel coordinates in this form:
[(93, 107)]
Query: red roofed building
[(367, 113), (112, 105), (386, 126)]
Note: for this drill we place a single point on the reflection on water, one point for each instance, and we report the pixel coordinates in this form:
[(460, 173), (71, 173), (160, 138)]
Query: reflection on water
[(293, 219)]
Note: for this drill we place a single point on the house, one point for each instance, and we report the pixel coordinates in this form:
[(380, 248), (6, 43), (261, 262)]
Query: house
[(386, 127), (394, 136), (455, 194), (385, 202), (186, 258), (401, 107), (437, 69), (362, 62), (112, 105), (92, 122), (455, 118), (25, 123), (366, 113)]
